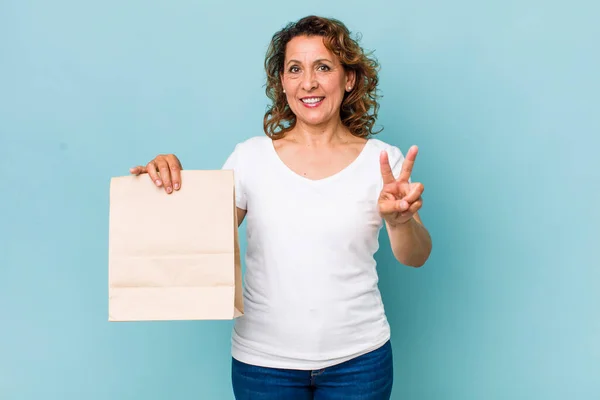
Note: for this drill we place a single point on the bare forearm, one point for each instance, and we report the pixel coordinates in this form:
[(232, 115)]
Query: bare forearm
[(410, 242)]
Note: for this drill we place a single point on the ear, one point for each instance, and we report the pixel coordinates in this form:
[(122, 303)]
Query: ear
[(281, 81), (350, 80)]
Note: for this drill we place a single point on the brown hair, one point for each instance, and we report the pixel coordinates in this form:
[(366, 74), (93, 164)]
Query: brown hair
[(359, 107)]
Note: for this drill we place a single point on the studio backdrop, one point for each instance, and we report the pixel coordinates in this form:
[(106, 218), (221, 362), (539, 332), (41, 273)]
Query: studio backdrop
[(501, 97)]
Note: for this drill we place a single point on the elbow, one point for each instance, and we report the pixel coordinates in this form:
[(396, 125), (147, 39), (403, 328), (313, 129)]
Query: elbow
[(412, 263), (415, 259), (416, 264)]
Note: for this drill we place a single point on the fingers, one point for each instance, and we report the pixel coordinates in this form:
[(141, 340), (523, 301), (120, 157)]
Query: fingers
[(386, 169), (414, 207), (152, 171), (164, 170), (137, 170), (408, 163), (393, 206), (414, 193), (175, 169), (403, 207), (165, 174)]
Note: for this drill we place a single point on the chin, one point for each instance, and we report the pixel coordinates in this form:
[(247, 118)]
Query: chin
[(314, 119)]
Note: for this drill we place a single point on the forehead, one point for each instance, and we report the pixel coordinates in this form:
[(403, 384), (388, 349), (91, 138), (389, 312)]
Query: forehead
[(307, 47)]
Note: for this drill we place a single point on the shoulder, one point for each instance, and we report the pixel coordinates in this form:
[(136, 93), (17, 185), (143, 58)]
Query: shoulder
[(394, 152), (246, 152), (255, 142), (395, 155), (254, 145)]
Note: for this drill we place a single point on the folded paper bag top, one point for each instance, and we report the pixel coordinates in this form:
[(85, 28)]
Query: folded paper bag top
[(174, 256)]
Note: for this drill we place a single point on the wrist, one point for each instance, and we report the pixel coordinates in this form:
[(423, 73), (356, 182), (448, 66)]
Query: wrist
[(409, 223)]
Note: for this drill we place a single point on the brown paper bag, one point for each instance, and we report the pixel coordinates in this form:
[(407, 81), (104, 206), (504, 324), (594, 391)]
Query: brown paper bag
[(177, 256)]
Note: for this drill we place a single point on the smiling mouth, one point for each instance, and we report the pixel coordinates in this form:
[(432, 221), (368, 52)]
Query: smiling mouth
[(312, 101)]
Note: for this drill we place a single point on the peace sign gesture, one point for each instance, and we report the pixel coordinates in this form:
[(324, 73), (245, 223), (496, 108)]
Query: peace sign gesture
[(399, 199)]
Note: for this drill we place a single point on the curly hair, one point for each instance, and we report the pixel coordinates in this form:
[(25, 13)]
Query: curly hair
[(359, 107)]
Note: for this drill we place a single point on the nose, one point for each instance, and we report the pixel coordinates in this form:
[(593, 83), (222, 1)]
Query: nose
[(309, 81)]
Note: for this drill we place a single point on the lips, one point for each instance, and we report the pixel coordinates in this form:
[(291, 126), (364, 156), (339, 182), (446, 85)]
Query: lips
[(312, 101)]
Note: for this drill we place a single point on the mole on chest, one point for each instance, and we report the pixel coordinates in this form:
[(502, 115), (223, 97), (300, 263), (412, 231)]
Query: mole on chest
[(319, 170)]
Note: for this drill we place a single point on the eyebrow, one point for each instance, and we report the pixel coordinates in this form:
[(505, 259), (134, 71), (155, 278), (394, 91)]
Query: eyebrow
[(316, 61)]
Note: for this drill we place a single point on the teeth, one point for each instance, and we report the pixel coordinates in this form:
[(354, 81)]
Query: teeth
[(312, 100)]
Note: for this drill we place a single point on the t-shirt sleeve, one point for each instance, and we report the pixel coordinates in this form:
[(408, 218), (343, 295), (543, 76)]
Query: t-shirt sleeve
[(235, 162)]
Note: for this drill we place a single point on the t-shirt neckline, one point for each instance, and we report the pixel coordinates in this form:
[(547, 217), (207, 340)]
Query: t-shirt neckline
[(329, 178)]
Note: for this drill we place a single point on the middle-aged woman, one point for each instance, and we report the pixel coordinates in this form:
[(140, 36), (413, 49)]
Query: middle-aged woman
[(315, 192)]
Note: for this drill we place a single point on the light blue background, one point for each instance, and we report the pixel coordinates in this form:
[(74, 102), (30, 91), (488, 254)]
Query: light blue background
[(502, 97)]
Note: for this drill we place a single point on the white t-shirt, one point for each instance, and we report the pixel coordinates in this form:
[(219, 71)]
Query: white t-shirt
[(310, 290)]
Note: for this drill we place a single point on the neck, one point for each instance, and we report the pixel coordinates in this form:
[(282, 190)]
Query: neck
[(329, 133)]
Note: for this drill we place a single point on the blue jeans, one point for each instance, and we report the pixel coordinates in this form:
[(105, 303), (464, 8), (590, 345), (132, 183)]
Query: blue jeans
[(368, 377)]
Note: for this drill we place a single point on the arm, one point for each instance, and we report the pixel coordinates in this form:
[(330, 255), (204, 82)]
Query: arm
[(399, 203), (241, 214), (410, 242)]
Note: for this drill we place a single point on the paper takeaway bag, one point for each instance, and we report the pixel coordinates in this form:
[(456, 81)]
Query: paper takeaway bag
[(174, 256)]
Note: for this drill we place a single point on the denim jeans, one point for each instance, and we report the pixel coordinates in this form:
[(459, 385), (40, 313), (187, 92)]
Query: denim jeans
[(368, 377)]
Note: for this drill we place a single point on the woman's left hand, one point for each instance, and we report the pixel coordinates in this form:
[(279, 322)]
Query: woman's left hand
[(400, 199)]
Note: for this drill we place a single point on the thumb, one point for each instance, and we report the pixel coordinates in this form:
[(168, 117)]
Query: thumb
[(137, 170), (389, 207)]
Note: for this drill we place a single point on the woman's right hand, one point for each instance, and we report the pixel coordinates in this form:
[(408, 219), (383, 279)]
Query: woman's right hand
[(164, 170)]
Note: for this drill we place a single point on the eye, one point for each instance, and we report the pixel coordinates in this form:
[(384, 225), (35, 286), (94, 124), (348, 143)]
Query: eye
[(324, 68), (294, 69)]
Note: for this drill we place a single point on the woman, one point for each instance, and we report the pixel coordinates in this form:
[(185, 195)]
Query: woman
[(315, 192)]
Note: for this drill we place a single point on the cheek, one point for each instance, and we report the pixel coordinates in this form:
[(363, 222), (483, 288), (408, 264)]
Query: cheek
[(336, 85), (335, 91), (290, 81)]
